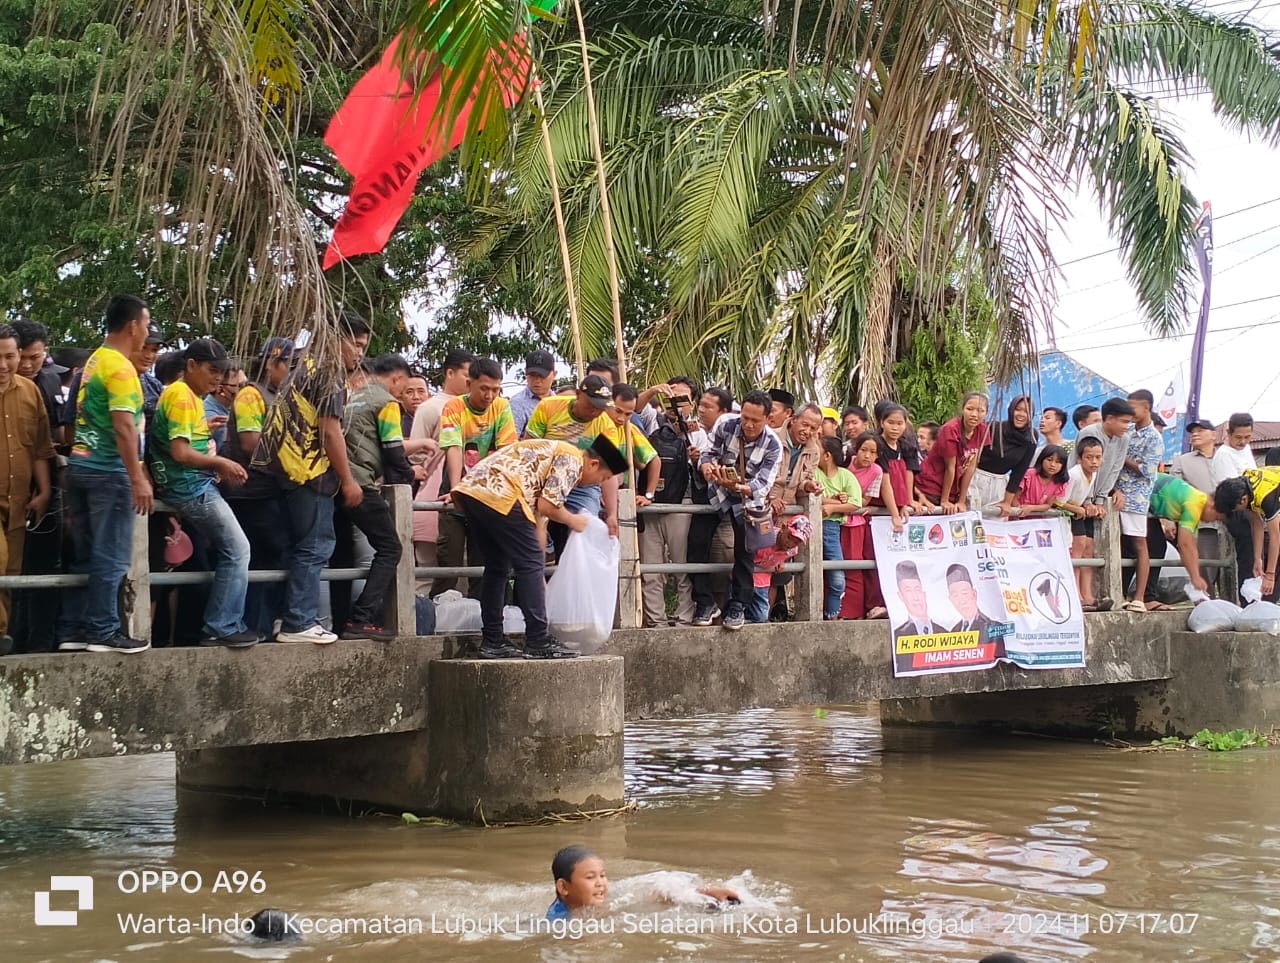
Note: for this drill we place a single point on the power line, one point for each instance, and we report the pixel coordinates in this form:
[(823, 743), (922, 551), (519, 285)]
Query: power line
[(1177, 337)]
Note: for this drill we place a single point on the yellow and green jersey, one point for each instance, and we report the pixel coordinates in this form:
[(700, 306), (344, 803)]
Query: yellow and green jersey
[(109, 383), (179, 414)]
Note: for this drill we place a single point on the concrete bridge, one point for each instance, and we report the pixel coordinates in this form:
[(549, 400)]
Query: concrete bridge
[(408, 725)]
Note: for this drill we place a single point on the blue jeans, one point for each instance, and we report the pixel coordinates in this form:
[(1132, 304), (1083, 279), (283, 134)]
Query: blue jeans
[(758, 610), (210, 515), (311, 542), (831, 552), (102, 520)]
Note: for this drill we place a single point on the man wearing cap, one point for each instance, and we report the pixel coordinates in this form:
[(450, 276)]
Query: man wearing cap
[(183, 463), (256, 503), (1195, 467), (144, 360), (502, 498), (964, 600), (106, 484), (539, 376), (579, 420), (782, 404), (302, 447)]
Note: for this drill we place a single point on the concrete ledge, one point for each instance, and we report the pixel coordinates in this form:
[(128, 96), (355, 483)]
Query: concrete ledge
[(80, 705), (1225, 680), (682, 672), (69, 706)]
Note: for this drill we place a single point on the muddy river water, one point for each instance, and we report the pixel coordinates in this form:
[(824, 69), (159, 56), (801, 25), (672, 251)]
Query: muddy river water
[(845, 841)]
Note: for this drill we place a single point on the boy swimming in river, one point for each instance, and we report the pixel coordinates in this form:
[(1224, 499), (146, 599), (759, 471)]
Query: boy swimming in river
[(581, 883)]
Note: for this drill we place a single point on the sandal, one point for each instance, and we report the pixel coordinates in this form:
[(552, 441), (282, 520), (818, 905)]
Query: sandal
[(1089, 607), (1105, 605), (1158, 607), (1133, 605)]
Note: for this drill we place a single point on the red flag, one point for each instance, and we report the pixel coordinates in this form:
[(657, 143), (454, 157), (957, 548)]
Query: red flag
[(386, 140)]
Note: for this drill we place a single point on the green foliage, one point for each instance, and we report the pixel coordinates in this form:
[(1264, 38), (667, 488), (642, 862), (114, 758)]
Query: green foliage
[(1228, 741)]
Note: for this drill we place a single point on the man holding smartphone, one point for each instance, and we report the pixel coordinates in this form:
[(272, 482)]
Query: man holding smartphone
[(740, 465)]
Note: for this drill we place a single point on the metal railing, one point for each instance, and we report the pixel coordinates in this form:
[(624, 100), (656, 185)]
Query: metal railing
[(809, 567)]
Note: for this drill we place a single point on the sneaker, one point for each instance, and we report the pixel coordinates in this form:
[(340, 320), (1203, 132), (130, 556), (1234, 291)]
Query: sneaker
[(551, 649), (734, 619), (237, 640), (499, 650), (705, 615), (120, 643), (72, 646), (6, 644), (317, 634), (368, 630)]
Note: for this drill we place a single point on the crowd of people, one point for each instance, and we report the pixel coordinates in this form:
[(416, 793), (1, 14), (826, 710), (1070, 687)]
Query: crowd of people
[(280, 464)]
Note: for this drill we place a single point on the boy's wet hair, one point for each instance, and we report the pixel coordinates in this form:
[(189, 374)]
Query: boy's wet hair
[(564, 862), (275, 925)]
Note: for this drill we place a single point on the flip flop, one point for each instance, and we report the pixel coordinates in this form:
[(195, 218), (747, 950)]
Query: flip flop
[(1159, 607), (1134, 606), (1088, 606), (1105, 605)]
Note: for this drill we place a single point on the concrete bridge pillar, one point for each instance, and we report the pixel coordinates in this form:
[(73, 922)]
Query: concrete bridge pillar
[(504, 741)]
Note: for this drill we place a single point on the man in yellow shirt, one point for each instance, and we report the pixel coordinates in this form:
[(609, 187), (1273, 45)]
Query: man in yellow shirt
[(106, 484), (580, 420), (502, 497)]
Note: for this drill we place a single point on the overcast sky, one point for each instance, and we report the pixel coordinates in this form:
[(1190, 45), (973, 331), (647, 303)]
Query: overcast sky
[(1097, 318)]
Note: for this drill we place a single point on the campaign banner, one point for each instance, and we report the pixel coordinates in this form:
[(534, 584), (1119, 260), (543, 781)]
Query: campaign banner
[(965, 592)]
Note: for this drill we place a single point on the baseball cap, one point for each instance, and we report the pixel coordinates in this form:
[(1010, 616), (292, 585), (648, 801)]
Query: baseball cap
[(207, 349), (1201, 423), (275, 348), (539, 363), (598, 390), (1158, 421), (154, 335)]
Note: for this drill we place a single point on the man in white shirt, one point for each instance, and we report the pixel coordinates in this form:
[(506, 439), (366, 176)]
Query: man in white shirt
[(429, 465), (1235, 457), (1231, 460)]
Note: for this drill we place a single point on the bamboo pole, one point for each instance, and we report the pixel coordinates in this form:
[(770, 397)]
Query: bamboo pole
[(566, 262), (611, 257)]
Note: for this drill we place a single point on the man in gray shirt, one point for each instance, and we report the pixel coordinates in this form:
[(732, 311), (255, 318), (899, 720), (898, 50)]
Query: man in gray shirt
[(1117, 416), (1195, 467)]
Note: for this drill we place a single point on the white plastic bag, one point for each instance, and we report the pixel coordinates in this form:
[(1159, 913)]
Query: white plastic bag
[(1259, 617), (456, 615), (512, 620), (1215, 615), (1251, 590), (1195, 594), (583, 592)]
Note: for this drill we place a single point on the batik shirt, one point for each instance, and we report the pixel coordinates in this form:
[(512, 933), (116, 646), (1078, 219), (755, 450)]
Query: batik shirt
[(1145, 447), (522, 473), (109, 383), (179, 414)]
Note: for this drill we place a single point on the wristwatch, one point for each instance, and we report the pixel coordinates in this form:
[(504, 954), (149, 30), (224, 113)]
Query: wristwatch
[(649, 495)]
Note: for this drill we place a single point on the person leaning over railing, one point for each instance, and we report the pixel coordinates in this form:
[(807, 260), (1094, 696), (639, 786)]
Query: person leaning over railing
[(741, 463), (1258, 492), (502, 497)]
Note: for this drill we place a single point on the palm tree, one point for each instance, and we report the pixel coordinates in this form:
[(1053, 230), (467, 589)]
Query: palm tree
[(804, 216), (777, 175)]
